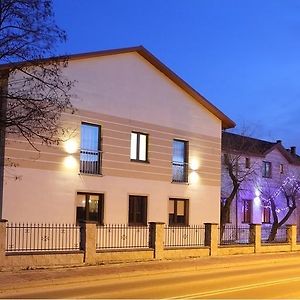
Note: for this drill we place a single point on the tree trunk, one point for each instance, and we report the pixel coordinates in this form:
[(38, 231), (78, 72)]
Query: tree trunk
[(3, 108), (273, 232)]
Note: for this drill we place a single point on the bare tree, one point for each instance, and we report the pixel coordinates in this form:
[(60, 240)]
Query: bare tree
[(33, 90), (281, 199), (236, 170)]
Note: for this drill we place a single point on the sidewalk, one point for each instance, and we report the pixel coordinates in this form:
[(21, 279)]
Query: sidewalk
[(14, 280)]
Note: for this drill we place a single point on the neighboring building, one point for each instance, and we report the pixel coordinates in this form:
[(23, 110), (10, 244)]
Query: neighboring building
[(270, 167), (146, 147)]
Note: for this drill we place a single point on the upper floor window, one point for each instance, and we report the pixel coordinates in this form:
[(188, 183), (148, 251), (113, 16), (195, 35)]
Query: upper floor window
[(246, 211), (267, 169), (139, 147), (247, 162), (89, 207), (137, 210), (180, 161), (90, 154), (281, 169), (178, 211)]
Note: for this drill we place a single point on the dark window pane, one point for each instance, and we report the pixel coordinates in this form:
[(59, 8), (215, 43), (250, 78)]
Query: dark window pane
[(137, 210)]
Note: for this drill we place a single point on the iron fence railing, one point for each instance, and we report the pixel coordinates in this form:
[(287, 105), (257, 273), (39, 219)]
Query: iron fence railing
[(42, 237), (90, 161), (280, 237), (179, 171), (121, 236), (232, 235), (184, 236)]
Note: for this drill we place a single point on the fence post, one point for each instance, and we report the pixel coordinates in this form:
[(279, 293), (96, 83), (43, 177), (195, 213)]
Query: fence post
[(255, 236), (156, 240), (2, 241), (291, 232), (88, 241), (212, 237)]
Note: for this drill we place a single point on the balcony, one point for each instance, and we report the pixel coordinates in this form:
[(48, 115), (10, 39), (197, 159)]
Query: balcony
[(179, 171), (90, 162)]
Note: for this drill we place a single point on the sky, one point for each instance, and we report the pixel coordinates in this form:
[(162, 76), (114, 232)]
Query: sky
[(242, 55)]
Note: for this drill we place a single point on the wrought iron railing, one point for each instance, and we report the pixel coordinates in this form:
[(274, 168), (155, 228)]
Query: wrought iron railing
[(90, 161), (184, 236), (179, 171), (280, 237), (234, 235), (42, 237), (117, 236)]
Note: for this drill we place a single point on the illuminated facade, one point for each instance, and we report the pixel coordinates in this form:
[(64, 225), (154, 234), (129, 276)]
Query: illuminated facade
[(271, 168), (146, 147)]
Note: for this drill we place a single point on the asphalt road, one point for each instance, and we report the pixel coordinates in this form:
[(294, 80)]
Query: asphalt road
[(266, 279)]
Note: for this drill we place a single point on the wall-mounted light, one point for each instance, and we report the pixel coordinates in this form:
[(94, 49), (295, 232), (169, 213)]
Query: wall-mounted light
[(194, 165), (70, 162)]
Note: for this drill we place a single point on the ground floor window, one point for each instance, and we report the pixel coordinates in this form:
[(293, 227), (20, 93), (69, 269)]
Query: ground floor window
[(266, 215), (178, 211), (246, 211), (137, 210), (89, 207)]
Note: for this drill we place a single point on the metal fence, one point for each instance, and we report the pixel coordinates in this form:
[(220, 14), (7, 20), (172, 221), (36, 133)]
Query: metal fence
[(42, 237), (90, 161), (281, 235), (184, 236), (122, 237), (232, 235)]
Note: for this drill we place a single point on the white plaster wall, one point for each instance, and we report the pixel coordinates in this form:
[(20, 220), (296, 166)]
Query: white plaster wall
[(47, 196), (126, 85)]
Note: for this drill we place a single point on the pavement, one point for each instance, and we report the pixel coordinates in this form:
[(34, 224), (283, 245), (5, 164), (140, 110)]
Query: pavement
[(13, 280)]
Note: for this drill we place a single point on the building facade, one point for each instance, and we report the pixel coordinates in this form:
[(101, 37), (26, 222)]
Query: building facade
[(145, 147), (266, 170)]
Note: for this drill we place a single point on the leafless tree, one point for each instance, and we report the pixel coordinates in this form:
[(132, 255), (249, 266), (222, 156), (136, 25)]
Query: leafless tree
[(33, 91), (282, 198), (236, 170)]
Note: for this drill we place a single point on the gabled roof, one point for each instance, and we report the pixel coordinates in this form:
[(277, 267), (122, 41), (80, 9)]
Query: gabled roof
[(251, 146), (226, 121)]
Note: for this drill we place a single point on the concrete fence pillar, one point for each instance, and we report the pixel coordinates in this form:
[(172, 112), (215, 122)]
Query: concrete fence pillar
[(291, 232), (212, 237), (88, 241), (255, 237), (2, 241), (156, 240)]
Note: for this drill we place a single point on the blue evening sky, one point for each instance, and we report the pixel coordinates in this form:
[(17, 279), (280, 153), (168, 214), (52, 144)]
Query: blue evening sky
[(242, 55)]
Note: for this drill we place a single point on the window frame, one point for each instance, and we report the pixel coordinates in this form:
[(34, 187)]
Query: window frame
[(264, 170), (247, 163), (281, 168), (247, 217), (137, 149), (185, 161), (100, 207), (264, 215), (144, 213), (99, 149), (186, 212)]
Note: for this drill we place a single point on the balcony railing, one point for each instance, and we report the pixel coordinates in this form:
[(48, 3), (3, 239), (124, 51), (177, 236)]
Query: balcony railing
[(179, 171), (90, 161)]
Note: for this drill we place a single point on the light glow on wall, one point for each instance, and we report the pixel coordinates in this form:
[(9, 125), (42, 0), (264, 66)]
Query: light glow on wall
[(70, 162), (71, 146), (257, 193), (194, 177), (256, 201), (194, 165)]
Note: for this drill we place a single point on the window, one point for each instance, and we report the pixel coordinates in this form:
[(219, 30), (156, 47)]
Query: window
[(137, 210), (267, 169), (247, 162), (90, 154), (180, 161), (246, 211), (89, 207), (281, 169), (227, 217), (139, 147), (266, 214), (178, 211)]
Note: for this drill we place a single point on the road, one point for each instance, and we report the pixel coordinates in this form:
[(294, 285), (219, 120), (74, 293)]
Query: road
[(262, 280)]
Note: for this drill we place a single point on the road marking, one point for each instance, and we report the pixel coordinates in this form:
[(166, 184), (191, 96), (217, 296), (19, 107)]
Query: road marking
[(235, 289)]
